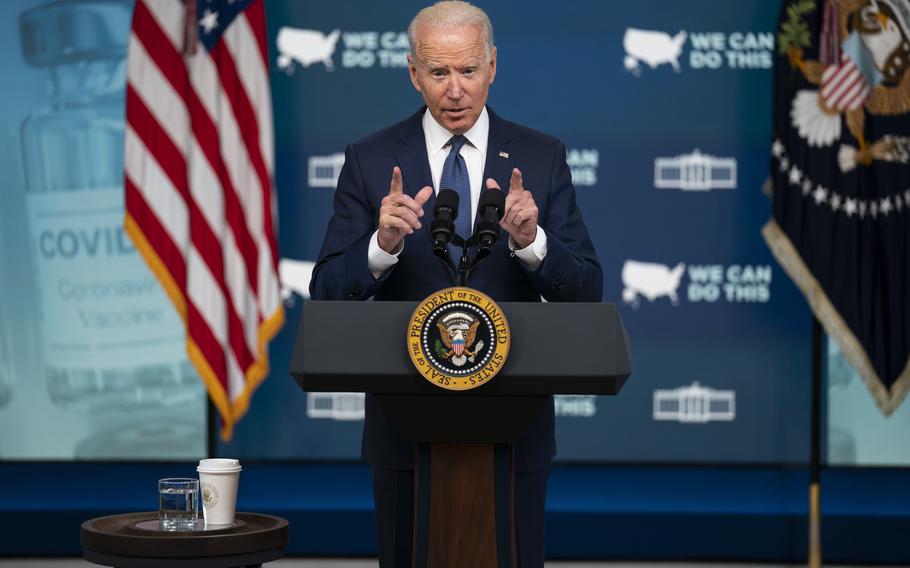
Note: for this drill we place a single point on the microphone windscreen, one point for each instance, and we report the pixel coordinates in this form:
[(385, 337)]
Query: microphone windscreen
[(447, 198), (495, 198)]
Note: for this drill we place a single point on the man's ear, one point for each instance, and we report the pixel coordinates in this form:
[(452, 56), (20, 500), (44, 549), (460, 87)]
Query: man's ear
[(412, 71), (493, 66)]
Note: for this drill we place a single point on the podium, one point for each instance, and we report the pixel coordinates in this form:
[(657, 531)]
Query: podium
[(464, 512)]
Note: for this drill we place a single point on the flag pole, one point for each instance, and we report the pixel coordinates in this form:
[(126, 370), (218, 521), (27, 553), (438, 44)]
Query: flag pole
[(212, 426), (815, 540)]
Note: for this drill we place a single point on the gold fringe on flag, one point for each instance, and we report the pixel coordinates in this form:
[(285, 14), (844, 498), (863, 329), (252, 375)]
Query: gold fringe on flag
[(834, 325)]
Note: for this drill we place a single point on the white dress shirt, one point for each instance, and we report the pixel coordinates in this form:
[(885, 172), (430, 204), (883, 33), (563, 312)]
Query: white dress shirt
[(474, 153)]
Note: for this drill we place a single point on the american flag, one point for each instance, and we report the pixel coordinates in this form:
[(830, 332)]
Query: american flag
[(843, 86), (200, 200), (847, 85)]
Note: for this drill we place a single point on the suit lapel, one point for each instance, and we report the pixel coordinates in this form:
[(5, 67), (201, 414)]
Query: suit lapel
[(412, 157), (501, 156)]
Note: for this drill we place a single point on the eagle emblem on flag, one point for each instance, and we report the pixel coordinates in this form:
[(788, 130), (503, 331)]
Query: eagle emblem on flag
[(862, 68), (840, 178), (458, 331)]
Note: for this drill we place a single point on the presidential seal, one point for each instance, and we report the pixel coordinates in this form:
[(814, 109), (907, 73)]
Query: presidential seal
[(458, 338)]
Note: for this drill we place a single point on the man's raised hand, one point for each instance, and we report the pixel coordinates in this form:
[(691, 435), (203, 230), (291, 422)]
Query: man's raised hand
[(519, 218), (399, 214)]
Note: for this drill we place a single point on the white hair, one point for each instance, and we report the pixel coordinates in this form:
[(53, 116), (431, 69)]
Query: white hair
[(451, 14)]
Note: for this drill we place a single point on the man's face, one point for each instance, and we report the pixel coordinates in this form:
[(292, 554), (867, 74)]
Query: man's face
[(453, 73)]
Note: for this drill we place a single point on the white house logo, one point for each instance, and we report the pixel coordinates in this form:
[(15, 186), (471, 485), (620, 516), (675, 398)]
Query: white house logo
[(583, 163), (295, 278), (323, 171), (694, 404), (707, 50), (735, 283), (360, 50), (695, 172), (341, 406)]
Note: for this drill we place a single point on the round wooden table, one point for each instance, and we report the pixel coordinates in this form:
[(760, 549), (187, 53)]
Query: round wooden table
[(133, 540)]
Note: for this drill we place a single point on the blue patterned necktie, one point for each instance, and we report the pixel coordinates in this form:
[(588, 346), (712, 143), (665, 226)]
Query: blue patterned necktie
[(455, 177)]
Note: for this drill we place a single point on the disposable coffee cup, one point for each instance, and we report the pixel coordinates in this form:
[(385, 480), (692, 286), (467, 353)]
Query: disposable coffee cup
[(218, 480)]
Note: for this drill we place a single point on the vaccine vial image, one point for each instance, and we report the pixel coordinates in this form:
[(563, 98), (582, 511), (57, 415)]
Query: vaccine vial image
[(111, 339)]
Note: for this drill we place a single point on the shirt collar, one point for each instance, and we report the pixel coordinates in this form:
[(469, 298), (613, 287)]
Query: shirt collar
[(437, 137)]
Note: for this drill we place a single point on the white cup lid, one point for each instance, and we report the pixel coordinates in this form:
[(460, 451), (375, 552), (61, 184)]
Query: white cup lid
[(219, 465)]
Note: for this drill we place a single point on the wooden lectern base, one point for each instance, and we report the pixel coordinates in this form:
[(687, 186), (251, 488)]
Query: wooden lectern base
[(464, 506)]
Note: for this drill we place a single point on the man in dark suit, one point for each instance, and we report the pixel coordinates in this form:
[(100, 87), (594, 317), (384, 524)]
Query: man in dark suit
[(377, 243)]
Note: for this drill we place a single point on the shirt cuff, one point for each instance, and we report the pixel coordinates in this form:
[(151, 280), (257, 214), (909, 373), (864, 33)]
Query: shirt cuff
[(533, 254), (378, 260)]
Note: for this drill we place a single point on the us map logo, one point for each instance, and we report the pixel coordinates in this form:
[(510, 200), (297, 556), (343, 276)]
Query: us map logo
[(652, 48), (458, 338), (361, 50), (305, 47), (735, 283), (650, 280), (708, 50), (295, 276)]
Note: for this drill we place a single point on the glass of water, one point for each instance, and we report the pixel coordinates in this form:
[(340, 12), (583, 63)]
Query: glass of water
[(178, 503)]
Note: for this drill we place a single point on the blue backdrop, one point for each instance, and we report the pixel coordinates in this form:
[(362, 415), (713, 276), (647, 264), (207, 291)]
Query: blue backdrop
[(668, 162), (665, 111)]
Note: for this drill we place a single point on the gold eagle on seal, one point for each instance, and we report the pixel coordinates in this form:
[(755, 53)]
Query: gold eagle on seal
[(458, 331)]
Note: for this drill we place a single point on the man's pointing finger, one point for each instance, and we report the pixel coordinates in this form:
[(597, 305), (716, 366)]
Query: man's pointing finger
[(516, 183), (396, 187)]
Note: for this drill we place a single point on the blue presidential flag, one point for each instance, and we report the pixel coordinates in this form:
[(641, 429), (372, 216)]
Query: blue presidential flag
[(840, 171)]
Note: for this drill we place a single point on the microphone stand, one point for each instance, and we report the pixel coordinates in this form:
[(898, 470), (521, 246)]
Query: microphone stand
[(464, 266), (442, 253)]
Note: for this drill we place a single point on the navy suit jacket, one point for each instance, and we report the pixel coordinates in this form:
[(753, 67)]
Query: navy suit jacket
[(569, 272)]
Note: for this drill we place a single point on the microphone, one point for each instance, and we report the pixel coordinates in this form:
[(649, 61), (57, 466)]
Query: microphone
[(492, 204), (442, 229)]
